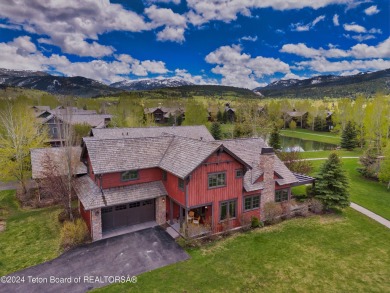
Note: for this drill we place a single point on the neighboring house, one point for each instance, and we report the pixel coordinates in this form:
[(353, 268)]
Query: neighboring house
[(162, 114), (230, 112), (56, 120), (177, 180), (300, 118), (329, 120)]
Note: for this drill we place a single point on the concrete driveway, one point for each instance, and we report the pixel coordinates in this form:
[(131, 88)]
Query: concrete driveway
[(98, 264)]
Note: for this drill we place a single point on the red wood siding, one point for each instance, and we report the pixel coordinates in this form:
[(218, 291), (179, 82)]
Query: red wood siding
[(86, 215), (200, 193), (173, 190), (145, 175), (90, 172)]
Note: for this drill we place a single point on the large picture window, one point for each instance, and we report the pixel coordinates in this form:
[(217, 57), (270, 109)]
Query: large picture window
[(228, 209), (251, 202), (129, 175), (217, 180), (281, 195)]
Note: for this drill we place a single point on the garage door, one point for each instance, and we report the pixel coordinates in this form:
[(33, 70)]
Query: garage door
[(128, 214)]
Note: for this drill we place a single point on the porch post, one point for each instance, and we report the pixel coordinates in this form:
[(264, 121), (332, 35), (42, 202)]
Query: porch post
[(181, 214), (170, 212)]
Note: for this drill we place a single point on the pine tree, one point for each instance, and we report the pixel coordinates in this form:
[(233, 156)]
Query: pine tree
[(274, 140), (219, 116), (216, 130), (349, 137), (332, 184)]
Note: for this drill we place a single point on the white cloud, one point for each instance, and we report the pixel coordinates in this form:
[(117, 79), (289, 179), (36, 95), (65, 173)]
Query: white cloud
[(322, 65), (336, 20), (164, 16), (202, 11), (164, 1), (352, 72), (240, 69), (372, 10), (175, 34), (21, 54), (249, 38), (299, 27), (196, 79), (362, 38), (354, 28), (293, 76), (359, 51), (69, 24)]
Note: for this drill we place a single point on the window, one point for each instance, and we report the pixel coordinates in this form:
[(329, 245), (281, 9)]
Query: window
[(217, 179), (134, 205), (281, 195), (239, 173), (129, 175), (181, 183), (121, 207), (251, 202), (106, 210), (164, 175), (227, 209)]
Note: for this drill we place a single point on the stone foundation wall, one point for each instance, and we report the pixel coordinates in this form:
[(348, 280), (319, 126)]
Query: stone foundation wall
[(96, 224)]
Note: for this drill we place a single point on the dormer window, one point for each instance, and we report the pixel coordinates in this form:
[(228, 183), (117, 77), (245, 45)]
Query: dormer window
[(129, 175)]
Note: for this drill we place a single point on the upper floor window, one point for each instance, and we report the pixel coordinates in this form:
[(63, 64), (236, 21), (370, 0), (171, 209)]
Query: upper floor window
[(164, 175), (217, 179), (129, 175), (181, 183), (239, 173), (281, 195)]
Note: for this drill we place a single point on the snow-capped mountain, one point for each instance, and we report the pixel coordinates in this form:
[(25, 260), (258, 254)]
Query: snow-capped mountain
[(149, 84), (329, 85)]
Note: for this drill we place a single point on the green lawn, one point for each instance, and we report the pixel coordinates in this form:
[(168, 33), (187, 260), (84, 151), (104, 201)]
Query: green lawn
[(306, 134), (31, 236), (368, 193), (325, 154), (332, 253)]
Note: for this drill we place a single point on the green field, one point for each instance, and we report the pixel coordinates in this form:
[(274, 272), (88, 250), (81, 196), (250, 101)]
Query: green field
[(368, 193), (31, 236), (306, 134), (324, 154), (331, 253)]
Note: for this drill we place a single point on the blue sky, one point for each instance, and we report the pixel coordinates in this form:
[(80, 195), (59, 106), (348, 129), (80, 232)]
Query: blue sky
[(245, 43)]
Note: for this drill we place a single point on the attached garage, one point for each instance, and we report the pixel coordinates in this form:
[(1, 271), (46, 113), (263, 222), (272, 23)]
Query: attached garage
[(128, 214)]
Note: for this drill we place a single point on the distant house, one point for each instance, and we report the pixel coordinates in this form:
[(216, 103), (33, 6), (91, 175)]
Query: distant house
[(300, 118), (161, 114), (56, 119), (176, 176), (230, 112)]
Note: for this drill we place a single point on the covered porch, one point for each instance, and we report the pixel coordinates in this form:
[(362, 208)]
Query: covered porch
[(190, 222)]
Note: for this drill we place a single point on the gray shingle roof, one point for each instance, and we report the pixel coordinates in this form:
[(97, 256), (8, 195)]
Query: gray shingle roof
[(94, 120), (195, 132), (40, 157), (249, 150), (92, 197)]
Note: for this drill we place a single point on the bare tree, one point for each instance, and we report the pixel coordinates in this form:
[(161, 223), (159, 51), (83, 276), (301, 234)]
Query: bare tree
[(294, 162)]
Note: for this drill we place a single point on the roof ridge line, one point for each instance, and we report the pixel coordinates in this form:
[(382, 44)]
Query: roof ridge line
[(165, 152)]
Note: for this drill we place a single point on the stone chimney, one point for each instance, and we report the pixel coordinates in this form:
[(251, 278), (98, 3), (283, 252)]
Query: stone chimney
[(267, 165)]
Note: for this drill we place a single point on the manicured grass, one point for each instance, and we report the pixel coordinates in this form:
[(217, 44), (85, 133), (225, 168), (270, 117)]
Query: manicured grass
[(370, 194), (31, 236), (306, 134), (325, 154), (331, 253)]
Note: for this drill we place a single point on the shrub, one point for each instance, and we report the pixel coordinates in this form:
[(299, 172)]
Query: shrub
[(245, 222), (73, 234), (309, 191), (256, 223), (316, 206), (272, 212)]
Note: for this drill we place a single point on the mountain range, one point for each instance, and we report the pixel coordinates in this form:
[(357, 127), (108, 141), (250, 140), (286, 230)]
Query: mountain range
[(367, 84)]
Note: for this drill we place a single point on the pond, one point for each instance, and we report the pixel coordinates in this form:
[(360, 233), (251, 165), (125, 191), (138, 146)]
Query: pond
[(302, 145)]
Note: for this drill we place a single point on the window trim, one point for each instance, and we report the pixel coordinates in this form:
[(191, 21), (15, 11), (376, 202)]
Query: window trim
[(130, 179), (179, 180), (239, 170), (228, 213), (252, 208), (281, 198), (216, 173)]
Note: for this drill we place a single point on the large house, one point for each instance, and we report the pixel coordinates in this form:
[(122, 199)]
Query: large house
[(162, 115), (59, 118), (179, 176)]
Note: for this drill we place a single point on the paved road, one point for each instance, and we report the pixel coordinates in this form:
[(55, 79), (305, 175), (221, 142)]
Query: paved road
[(14, 185), (370, 214), (125, 255)]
